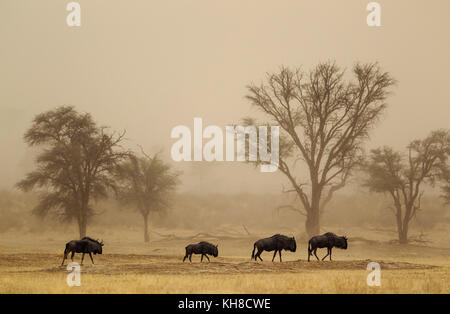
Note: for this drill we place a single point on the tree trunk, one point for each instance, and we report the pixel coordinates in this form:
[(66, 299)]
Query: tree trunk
[(312, 224), (403, 239), (83, 216), (403, 236), (398, 217), (146, 237), (82, 226), (402, 225)]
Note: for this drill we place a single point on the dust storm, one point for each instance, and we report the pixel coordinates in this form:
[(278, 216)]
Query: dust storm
[(87, 113)]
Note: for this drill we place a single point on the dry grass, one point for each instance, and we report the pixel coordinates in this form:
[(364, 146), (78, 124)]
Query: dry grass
[(330, 282), (38, 273)]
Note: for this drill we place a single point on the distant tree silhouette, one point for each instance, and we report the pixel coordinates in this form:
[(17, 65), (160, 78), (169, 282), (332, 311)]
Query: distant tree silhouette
[(324, 120), (445, 178), (75, 165), (147, 183), (446, 190), (403, 176)]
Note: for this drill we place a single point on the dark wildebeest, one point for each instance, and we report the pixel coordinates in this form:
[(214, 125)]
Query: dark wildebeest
[(85, 245), (276, 242), (327, 240), (203, 248)]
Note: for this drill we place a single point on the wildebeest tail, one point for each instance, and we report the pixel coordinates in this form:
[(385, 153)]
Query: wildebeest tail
[(66, 250), (254, 248), (185, 255)]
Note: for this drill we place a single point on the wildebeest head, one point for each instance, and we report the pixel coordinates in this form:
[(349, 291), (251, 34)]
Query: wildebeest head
[(97, 246), (292, 245), (215, 251), (100, 248), (342, 243)]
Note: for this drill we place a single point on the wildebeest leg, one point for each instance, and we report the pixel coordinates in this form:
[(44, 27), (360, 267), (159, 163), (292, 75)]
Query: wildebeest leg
[(201, 260), (64, 258), (259, 255), (190, 258), (331, 249), (90, 255), (328, 253), (71, 257), (82, 259), (207, 258), (186, 256), (315, 254), (279, 252), (274, 254)]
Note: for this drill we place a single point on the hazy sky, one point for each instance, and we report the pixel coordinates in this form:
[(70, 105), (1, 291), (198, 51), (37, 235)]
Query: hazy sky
[(147, 66)]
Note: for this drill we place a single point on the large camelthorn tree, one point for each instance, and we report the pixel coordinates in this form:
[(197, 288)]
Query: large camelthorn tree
[(324, 119)]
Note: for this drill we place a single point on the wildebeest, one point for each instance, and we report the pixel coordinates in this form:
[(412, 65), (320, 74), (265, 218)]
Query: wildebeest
[(85, 245), (276, 242), (327, 240), (203, 248)]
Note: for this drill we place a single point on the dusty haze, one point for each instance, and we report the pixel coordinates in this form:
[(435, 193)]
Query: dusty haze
[(148, 66)]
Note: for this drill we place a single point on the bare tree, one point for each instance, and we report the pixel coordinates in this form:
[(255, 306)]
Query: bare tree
[(75, 166), (403, 177), (146, 182), (324, 121)]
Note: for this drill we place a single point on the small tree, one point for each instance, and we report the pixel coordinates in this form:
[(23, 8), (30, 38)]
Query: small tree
[(403, 177), (324, 120), (75, 166), (147, 184)]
